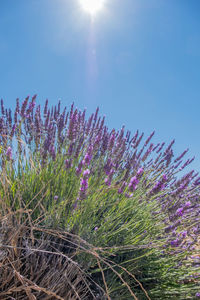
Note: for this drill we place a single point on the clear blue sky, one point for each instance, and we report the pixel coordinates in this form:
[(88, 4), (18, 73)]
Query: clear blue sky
[(139, 61)]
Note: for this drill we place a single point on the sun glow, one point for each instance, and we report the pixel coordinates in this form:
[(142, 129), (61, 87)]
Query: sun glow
[(92, 6)]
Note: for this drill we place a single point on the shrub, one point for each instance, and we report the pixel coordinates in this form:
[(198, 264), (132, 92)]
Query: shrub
[(93, 211)]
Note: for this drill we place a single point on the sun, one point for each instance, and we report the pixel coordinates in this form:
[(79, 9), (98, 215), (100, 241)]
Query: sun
[(92, 6)]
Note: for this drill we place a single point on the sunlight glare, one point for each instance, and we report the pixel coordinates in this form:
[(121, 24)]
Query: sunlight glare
[(92, 6)]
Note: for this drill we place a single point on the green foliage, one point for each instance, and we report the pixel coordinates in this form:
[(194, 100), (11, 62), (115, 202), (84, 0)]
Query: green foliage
[(122, 230)]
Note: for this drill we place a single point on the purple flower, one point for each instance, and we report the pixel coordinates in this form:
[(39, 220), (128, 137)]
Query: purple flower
[(134, 180), (87, 158), (136, 144), (179, 212), (181, 156), (86, 173), (89, 124), (96, 114), (72, 131), (2, 107), (108, 179), (96, 228), (128, 195), (31, 107), (108, 166), (78, 171), (159, 186), (88, 155), (121, 189), (168, 157), (75, 203), (13, 130), (184, 234), (79, 146), (149, 138), (111, 141), (197, 295), (71, 148), (84, 185), (24, 105), (196, 229), (133, 184), (105, 141), (147, 153), (83, 188), (46, 107), (175, 243), (52, 152), (161, 147), (164, 178), (140, 172), (187, 204), (97, 141), (9, 118), (9, 153), (79, 168), (68, 163), (56, 197)]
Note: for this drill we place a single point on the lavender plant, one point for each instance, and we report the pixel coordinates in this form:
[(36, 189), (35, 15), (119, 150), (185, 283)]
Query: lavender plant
[(131, 201)]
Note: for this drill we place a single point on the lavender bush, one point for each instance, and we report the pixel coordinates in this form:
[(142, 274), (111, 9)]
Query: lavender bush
[(131, 212)]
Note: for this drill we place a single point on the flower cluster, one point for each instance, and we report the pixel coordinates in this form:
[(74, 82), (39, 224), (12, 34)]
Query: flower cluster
[(84, 184), (117, 159)]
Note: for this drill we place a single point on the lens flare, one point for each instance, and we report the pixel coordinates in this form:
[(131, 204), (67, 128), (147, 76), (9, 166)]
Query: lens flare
[(92, 6)]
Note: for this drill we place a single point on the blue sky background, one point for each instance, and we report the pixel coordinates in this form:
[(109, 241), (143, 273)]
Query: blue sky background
[(139, 61)]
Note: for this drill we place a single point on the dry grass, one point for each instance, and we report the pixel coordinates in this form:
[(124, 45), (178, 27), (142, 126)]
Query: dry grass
[(39, 264)]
